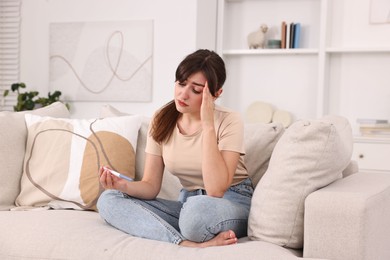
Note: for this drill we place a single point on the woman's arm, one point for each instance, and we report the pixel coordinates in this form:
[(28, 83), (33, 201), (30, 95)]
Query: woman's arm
[(218, 167), (147, 188)]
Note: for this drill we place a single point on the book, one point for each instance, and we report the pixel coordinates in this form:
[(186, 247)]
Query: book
[(371, 121), (283, 36), (375, 129), (291, 39), (375, 133), (297, 35), (375, 126), (287, 36)]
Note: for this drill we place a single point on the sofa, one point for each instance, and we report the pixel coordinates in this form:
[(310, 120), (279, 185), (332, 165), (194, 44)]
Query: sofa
[(310, 200)]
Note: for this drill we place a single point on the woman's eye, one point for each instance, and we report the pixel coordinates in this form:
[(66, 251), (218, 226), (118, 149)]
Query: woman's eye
[(196, 92), (182, 84)]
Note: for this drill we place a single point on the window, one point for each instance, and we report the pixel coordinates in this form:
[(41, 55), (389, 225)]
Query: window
[(10, 11)]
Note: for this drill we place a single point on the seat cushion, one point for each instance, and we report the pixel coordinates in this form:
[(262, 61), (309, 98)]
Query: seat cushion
[(73, 234)]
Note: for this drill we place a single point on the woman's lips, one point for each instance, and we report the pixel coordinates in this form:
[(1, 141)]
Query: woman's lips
[(182, 104)]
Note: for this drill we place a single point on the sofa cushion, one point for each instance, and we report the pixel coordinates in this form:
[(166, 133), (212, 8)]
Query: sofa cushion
[(310, 155), (170, 186), (73, 234), (13, 136), (63, 157), (260, 140)]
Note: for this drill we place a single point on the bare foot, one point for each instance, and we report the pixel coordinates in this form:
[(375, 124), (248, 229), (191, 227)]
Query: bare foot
[(222, 239)]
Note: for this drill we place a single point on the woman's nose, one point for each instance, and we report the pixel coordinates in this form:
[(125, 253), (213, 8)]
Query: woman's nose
[(185, 94)]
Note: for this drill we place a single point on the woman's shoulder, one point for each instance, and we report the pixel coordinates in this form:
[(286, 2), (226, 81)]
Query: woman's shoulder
[(222, 109), (222, 113)]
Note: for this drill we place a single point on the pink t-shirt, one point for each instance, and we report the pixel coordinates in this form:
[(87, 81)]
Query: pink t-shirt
[(182, 154)]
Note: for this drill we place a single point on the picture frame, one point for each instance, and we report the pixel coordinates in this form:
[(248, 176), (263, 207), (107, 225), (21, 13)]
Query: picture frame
[(102, 60)]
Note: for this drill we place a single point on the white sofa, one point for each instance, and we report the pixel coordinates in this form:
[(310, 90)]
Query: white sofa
[(341, 217)]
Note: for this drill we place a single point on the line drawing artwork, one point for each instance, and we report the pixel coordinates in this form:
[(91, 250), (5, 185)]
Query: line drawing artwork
[(102, 61)]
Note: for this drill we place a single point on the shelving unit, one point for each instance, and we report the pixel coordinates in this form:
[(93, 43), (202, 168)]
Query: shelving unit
[(305, 81), (371, 154), (273, 75), (329, 74)]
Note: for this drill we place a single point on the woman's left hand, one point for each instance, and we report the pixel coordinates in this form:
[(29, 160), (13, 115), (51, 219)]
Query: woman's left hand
[(207, 107), (109, 181)]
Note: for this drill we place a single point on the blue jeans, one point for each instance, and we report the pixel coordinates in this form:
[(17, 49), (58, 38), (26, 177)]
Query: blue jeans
[(195, 216)]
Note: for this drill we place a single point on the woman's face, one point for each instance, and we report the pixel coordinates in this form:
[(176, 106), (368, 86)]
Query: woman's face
[(188, 94)]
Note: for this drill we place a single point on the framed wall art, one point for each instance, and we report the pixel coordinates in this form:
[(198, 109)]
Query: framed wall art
[(102, 61)]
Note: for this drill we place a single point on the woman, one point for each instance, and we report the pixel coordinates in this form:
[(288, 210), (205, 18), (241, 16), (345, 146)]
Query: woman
[(200, 143)]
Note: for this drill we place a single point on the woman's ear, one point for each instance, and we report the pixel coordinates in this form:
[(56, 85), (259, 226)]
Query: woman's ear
[(219, 92)]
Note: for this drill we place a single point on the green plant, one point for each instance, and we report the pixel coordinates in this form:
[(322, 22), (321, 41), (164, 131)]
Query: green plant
[(30, 100)]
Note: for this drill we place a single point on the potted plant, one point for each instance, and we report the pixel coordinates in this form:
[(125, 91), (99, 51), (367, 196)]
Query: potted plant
[(30, 100)]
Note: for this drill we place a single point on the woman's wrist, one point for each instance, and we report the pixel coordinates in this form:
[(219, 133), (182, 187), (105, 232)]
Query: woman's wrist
[(208, 128)]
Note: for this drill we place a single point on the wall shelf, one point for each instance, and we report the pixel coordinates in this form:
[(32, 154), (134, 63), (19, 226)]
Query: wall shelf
[(270, 52), (368, 50), (372, 139)]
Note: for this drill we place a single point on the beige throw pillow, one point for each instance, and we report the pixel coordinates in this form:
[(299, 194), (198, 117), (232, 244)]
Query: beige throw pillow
[(260, 140), (170, 186), (63, 157), (310, 155), (13, 136)]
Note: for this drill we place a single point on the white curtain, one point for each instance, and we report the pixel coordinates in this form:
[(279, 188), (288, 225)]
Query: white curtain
[(9, 49)]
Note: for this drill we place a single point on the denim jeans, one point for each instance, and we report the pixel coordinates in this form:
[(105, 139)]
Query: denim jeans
[(195, 216)]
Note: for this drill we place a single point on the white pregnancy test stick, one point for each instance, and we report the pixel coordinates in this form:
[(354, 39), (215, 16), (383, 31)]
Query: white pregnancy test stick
[(117, 174)]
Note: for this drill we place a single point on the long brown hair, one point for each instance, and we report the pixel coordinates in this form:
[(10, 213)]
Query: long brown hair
[(205, 61)]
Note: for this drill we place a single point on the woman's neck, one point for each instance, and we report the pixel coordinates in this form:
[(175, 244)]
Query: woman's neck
[(188, 124)]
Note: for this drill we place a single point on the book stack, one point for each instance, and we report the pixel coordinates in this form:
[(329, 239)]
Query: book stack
[(291, 34), (374, 127)]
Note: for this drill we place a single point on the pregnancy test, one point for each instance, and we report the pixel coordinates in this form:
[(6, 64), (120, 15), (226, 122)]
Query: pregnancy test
[(117, 174)]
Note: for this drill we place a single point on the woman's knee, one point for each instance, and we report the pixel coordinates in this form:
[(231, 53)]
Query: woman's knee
[(203, 217), (197, 214), (106, 201)]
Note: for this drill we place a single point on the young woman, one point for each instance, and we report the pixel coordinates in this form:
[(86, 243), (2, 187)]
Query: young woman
[(202, 144)]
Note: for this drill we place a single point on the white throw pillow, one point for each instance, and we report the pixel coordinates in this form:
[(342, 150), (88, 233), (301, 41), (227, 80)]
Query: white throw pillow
[(13, 136), (63, 157), (310, 155), (170, 186)]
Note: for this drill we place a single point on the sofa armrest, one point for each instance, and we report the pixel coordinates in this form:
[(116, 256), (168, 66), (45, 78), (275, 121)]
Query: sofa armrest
[(352, 168), (349, 219)]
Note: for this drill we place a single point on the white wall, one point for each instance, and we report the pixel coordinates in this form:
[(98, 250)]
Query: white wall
[(175, 35), (360, 86), (351, 25), (179, 29)]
